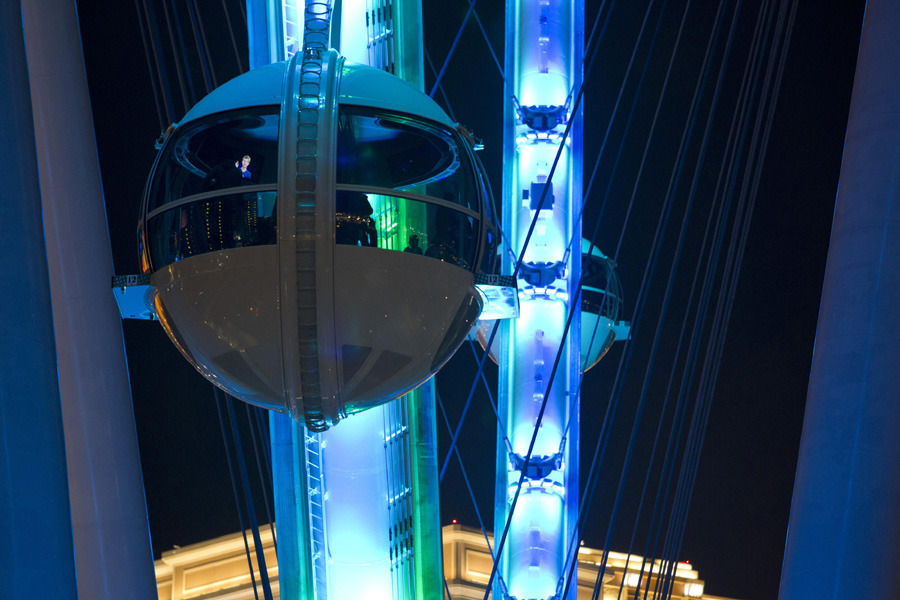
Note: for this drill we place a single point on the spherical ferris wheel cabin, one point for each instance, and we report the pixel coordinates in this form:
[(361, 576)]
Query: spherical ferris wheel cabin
[(312, 237)]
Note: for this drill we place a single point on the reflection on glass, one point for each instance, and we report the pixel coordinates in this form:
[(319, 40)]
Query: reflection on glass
[(373, 220), (354, 225), (489, 262), (404, 225), (391, 151), (226, 151), (222, 223), (602, 291)]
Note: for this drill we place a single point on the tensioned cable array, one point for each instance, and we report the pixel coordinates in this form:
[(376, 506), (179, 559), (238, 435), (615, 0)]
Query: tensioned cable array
[(671, 558), (750, 183), (179, 56), (235, 455), (664, 219)]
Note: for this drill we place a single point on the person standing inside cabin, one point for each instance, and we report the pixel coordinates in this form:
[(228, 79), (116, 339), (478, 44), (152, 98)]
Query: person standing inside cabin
[(413, 247), (244, 166)]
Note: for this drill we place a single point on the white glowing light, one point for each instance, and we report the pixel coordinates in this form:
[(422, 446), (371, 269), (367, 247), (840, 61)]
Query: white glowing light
[(693, 590)]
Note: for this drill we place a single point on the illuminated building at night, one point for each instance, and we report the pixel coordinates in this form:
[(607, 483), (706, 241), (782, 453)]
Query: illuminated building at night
[(217, 570)]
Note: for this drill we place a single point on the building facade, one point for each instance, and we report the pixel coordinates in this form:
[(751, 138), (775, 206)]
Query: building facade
[(218, 569)]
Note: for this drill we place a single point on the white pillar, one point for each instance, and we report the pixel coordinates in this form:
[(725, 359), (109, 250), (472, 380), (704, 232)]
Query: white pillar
[(844, 533), (36, 557), (109, 514)]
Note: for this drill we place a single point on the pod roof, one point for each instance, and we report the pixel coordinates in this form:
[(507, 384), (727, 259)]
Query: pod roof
[(360, 85)]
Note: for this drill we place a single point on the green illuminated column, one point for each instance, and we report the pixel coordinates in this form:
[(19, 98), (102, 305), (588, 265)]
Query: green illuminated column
[(359, 513)]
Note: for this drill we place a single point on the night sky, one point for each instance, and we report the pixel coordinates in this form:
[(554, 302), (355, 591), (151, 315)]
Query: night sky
[(738, 519)]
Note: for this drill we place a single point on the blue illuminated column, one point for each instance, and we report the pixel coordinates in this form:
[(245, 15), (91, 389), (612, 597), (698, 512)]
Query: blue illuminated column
[(543, 67), (274, 30)]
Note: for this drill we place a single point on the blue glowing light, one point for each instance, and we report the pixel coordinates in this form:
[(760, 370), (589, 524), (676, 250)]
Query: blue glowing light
[(544, 73)]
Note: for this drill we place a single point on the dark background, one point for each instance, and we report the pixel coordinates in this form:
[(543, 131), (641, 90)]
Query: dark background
[(738, 520)]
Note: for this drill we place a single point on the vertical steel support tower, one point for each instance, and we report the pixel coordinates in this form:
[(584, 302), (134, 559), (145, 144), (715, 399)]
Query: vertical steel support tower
[(36, 553), (844, 535), (544, 44), (109, 512)]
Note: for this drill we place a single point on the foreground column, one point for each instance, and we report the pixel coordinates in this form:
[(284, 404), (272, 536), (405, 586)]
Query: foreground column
[(36, 555), (844, 534), (109, 513)]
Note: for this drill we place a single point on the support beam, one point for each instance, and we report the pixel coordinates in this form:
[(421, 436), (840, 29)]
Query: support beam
[(844, 534), (36, 554), (106, 489)]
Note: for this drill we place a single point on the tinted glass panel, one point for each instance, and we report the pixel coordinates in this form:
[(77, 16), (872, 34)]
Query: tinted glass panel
[(485, 185), (395, 152), (489, 262), (404, 225), (601, 287), (229, 150), (221, 223)]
